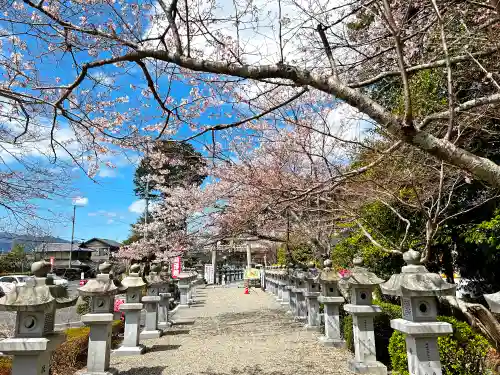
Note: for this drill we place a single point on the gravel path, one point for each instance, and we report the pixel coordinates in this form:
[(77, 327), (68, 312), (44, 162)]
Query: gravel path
[(235, 334)]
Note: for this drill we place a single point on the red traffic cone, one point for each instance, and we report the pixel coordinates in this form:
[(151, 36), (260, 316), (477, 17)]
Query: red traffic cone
[(246, 290)]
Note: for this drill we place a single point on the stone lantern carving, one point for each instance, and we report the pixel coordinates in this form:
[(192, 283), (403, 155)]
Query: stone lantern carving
[(300, 289), (164, 293), (311, 295), (151, 301), (361, 283), (132, 309), (35, 304), (331, 299), (418, 289), (184, 285), (102, 291)]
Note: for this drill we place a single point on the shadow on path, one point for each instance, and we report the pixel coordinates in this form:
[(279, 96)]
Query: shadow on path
[(160, 348), (247, 370), (177, 332), (144, 370)]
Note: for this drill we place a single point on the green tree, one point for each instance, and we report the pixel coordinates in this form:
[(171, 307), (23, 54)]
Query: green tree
[(15, 260), (179, 163)]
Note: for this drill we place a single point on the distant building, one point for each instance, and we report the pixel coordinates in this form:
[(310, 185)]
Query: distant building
[(61, 254), (88, 253), (102, 249)]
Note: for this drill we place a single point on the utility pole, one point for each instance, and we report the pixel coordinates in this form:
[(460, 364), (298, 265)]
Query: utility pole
[(72, 235)]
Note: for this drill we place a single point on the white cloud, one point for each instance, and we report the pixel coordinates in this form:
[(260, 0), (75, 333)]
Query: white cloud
[(80, 201), (103, 213), (346, 122), (108, 173), (110, 221), (137, 206)]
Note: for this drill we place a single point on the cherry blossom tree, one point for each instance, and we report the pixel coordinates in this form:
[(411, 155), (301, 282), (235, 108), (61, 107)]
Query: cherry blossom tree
[(248, 64)]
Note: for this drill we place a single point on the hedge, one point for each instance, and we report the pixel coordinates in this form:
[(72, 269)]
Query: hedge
[(71, 355), (462, 353)]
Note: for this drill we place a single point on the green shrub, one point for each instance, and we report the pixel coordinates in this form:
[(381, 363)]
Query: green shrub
[(382, 327), (462, 353), (5, 365)]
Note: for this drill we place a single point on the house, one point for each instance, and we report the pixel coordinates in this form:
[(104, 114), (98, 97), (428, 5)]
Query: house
[(101, 248), (61, 254)]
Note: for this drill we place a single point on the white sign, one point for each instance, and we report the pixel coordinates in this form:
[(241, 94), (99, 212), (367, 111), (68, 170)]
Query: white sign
[(209, 273)]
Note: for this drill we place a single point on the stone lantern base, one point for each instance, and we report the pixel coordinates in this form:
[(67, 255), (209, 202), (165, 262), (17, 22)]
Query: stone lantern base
[(364, 340), (334, 343), (421, 344), (371, 368), (163, 322), (31, 355), (130, 345), (332, 322), (151, 330), (99, 343)]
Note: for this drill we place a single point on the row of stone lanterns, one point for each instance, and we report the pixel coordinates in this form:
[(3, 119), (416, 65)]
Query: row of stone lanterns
[(227, 274), (36, 303), (416, 287)]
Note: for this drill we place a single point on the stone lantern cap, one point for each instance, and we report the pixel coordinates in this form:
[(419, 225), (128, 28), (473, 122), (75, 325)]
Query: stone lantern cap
[(360, 276), (103, 284), (165, 274), (38, 293), (328, 275), (154, 279), (415, 280), (493, 301), (134, 280), (299, 274), (183, 275)]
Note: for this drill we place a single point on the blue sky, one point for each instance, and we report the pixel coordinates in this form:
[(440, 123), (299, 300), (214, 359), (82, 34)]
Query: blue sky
[(110, 209)]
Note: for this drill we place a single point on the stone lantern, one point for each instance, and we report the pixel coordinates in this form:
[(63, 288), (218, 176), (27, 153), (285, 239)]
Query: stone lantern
[(285, 293), (151, 301), (164, 293), (362, 283), (291, 290), (184, 286), (280, 283), (132, 309), (331, 300), (102, 291), (418, 289), (300, 289), (311, 295), (35, 304), (269, 280)]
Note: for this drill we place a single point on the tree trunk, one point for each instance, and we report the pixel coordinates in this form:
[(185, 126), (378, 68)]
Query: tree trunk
[(478, 316)]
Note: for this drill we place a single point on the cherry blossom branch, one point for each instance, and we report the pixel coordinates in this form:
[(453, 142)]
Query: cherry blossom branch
[(328, 49), (449, 77), (431, 65), (479, 102), (257, 116)]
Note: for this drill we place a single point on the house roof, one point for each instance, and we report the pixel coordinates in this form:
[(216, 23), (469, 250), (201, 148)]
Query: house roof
[(58, 247), (105, 241)]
